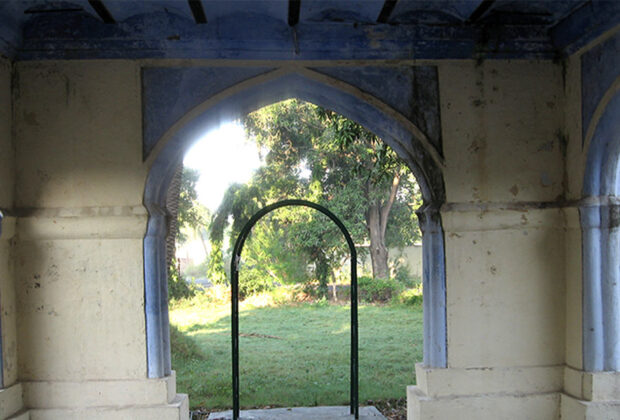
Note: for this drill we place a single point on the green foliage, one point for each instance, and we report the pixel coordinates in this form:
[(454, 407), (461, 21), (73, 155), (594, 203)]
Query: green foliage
[(178, 288), (252, 281), (411, 297), (313, 154), (377, 289), (216, 272), (197, 271), (183, 347), (404, 276), (270, 250), (240, 202), (192, 215)]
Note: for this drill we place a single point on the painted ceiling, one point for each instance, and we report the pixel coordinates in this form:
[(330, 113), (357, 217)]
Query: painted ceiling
[(301, 29)]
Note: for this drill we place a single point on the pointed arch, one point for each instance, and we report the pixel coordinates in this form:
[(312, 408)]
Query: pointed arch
[(407, 140), (600, 224)]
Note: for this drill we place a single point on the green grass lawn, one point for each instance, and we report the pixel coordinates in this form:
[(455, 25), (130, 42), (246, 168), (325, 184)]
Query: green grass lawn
[(294, 355)]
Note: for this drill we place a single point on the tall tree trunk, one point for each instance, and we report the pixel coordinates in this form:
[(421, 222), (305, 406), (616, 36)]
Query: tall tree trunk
[(376, 222), (322, 273), (378, 250)]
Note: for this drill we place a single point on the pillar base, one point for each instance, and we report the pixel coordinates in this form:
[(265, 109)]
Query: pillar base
[(11, 402), (485, 393), (574, 409), (145, 399), (590, 395), (177, 409)]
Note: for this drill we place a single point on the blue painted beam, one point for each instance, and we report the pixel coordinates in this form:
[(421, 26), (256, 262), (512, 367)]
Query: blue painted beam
[(255, 37), (585, 24), (600, 67)]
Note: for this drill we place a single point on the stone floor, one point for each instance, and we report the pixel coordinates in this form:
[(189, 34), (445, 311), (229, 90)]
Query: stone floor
[(299, 413)]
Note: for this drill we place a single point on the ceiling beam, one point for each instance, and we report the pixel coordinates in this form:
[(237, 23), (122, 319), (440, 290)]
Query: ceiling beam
[(386, 11), (198, 11), (102, 11), (294, 7), (480, 11)]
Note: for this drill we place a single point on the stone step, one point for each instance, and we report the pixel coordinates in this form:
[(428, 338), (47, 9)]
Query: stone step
[(22, 415), (299, 413)]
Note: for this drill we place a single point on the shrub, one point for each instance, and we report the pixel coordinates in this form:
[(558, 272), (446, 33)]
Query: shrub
[(411, 297), (183, 347), (178, 288), (403, 275), (377, 290), (253, 281)]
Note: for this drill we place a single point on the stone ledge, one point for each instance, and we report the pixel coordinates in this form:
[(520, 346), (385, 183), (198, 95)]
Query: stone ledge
[(457, 219), (24, 415), (178, 409), (453, 382), (113, 393), (592, 386), (543, 406), (7, 230), (301, 413), (11, 401), (81, 227), (576, 409)]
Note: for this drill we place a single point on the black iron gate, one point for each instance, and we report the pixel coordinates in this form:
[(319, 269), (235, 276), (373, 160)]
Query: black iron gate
[(234, 270)]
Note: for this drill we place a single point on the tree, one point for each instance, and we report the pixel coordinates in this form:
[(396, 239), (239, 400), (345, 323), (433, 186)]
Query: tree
[(351, 169), (185, 214), (192, 215), (316, 154)]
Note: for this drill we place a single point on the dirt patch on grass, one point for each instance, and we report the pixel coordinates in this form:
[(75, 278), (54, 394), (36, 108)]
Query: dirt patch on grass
[(393, 409)]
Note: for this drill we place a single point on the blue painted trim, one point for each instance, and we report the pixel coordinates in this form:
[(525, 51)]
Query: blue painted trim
[(593, 325), (585, 24), (434, 287), (162, 108), (258, 37), (258, 30), (599, 70), (600, 223), (235, 106), (156, 295)]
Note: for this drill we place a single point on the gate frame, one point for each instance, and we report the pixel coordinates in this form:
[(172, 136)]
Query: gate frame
[(234, 274)]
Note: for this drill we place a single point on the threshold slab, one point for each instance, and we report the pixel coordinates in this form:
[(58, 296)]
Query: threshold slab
[(299, 413)]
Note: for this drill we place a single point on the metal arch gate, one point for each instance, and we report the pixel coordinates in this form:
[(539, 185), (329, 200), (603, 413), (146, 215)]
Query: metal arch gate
[(234, 270)]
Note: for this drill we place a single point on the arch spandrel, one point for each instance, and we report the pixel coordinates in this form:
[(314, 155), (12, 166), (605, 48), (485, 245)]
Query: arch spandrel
[(407, 140)]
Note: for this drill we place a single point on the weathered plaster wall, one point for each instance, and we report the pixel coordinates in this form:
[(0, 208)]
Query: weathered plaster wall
[(504, 248), (575, 166), (79, 193), (11, 400), (7, 290), (513, 280), (78, 245)]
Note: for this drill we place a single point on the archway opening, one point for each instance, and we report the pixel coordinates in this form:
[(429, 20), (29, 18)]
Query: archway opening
[(394, 133)]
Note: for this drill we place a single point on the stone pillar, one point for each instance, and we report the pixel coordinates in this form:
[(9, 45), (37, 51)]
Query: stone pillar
[(504, 231), (505, 313), (78, 246)]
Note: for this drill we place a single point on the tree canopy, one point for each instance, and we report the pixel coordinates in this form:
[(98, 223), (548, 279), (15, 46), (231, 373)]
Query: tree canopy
[(315, 154)]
